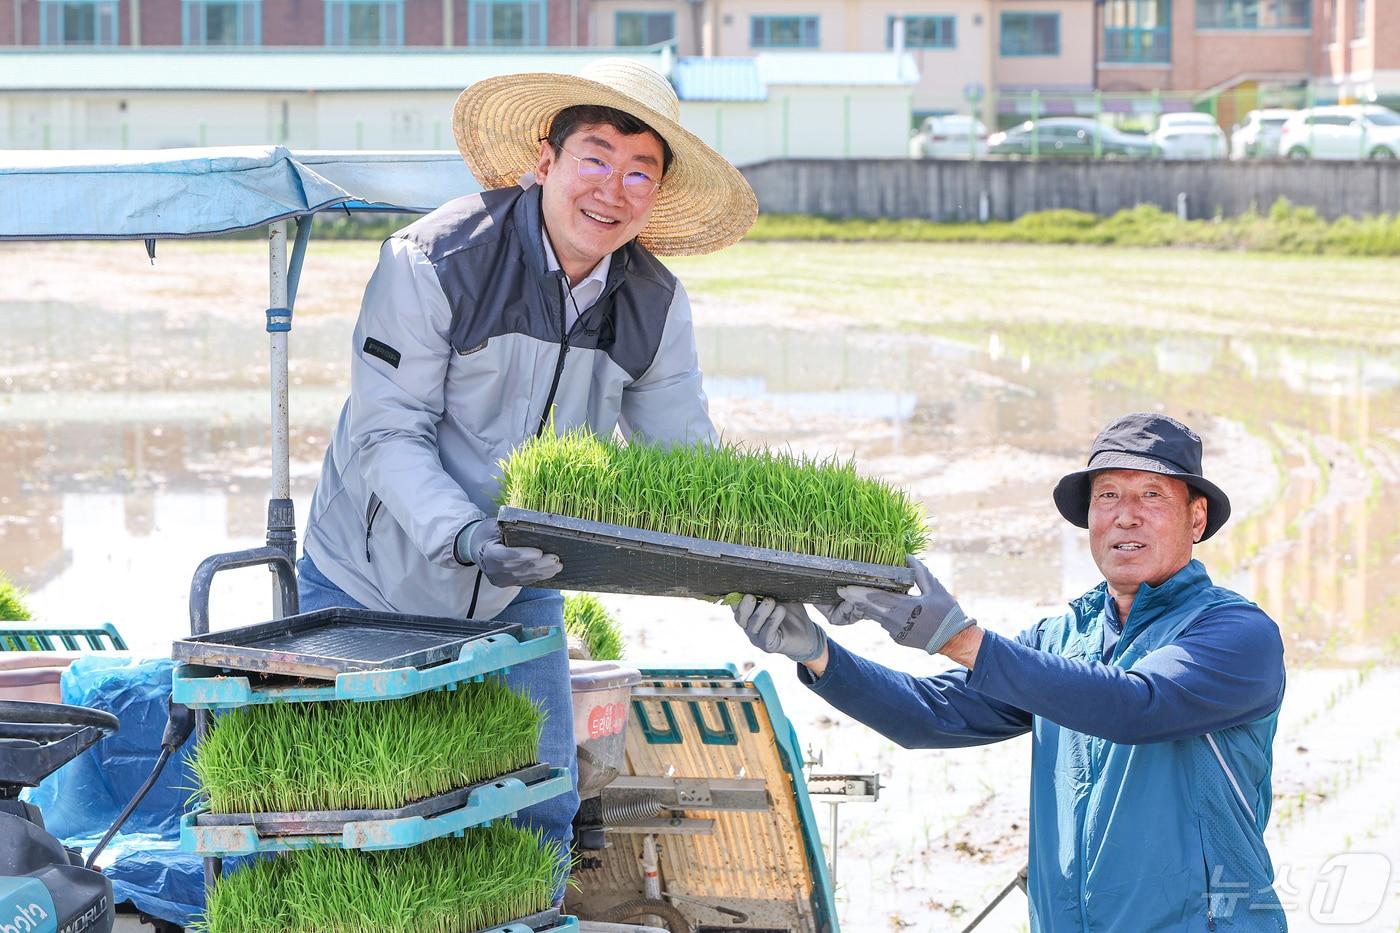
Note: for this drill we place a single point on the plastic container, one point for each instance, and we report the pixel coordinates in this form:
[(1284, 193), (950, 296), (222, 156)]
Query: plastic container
[(602, 702)]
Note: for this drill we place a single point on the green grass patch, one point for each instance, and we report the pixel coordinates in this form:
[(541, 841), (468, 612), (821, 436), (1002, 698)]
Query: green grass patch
[(758, 498), (344, 755), (586, 619), (12, 607), (451, 885), (1285, 228)]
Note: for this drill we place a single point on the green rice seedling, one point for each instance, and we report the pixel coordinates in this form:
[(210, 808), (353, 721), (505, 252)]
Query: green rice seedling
[(586, 619), (488, 876), (344, 755), (12, 607), (759, 498)]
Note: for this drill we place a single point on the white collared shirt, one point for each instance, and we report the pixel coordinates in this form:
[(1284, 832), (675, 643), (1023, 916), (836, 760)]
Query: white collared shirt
[(583, 295)]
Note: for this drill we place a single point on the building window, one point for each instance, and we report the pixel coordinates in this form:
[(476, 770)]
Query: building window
[(78, 22), (364, 22), (1030, 33), (222, 22), (1358, 26), (784, 32), (1253, 14), (924, 32), (1137, 31), (507, 22), (644, 28)]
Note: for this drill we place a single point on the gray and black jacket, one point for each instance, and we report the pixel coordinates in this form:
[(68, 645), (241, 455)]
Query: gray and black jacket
[(459, 355)]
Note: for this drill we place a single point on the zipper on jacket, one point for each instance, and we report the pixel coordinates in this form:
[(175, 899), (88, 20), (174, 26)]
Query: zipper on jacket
[(563, 352), (1210, 904), (374, 503)]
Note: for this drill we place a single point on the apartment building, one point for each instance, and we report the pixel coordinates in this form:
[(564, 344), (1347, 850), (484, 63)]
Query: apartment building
[(1357, 54), (1246, 53), (302, 23)]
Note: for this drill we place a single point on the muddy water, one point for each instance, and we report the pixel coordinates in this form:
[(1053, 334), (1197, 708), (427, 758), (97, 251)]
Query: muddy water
[(136, 445)]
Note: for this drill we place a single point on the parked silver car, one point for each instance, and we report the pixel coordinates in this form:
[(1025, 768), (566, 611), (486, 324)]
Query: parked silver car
[(1189, 136), (954, 136), (1256, 137)]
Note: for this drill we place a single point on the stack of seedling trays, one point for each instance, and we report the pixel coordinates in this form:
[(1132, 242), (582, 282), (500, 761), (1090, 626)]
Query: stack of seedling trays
[(704, 521), (368, 763)]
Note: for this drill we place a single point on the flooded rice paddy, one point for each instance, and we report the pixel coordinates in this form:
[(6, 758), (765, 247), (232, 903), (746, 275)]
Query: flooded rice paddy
[(134, 406)]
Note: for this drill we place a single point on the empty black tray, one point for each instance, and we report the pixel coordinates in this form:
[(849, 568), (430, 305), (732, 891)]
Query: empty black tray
[(323, 644), (605, 558)]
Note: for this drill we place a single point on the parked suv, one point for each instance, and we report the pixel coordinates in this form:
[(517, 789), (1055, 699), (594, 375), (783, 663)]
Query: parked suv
[(1257, 136), (1351, 132)]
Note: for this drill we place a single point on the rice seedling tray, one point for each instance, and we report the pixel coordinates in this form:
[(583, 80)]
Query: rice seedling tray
[(546, 921), (324, 644), (605, 558), (214, 687), (230, 834)]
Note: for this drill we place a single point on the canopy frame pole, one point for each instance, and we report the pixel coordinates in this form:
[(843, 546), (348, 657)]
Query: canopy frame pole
[(281, 513)]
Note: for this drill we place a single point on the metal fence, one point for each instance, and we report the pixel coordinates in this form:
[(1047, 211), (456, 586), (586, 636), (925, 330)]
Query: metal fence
[(1006, 189)]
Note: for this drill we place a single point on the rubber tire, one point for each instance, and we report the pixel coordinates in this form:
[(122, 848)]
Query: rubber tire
[(646, 907), (1382, 154), (1299, 153)]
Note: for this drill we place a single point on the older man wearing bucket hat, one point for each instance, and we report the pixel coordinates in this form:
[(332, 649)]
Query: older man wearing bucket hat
[(1152, 702), (536, 305)]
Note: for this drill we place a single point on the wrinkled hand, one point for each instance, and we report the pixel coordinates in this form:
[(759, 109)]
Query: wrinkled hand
[(780, 628), (481, 544), (926, 620)]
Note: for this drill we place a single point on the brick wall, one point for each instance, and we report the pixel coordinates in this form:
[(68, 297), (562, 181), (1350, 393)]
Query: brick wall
[(160, 22), (1385, 36), (422, 23), (294, 22)]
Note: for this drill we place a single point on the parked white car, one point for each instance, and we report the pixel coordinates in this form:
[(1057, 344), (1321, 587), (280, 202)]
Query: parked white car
[(948, 138), (1189, 136), (1344, 132), (1256, 137)]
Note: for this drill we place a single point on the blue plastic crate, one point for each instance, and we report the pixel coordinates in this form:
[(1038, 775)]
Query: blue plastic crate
[(497, 799), (207, 688)]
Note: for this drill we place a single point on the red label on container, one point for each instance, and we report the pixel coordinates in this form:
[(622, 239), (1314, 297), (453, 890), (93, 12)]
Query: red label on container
[(606, 719)]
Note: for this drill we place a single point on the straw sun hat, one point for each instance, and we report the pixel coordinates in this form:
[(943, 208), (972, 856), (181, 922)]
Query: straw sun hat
[(703, 205)]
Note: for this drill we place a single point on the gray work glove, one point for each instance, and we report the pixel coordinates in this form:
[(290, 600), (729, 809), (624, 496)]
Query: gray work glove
[(481, 544), (780, 628), (925, 620)]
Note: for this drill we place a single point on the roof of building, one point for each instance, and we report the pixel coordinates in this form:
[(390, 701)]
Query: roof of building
[(748, 79), (718, 79), (180, 69)]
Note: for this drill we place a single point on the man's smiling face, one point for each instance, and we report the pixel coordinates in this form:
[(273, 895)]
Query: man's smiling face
[(1141, 527), (584, 221)]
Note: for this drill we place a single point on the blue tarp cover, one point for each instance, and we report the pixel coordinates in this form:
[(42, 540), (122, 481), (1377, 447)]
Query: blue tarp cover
[(83, 798), (159, 194)]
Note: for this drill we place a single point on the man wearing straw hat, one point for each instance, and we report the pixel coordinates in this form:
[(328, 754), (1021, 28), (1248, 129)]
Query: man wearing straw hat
[(536, 305), (1152, 702)]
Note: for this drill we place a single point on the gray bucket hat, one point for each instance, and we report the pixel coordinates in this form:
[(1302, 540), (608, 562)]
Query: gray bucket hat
[(1151, 443)]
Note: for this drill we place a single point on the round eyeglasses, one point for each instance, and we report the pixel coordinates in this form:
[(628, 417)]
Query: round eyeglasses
[(595, 171)]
